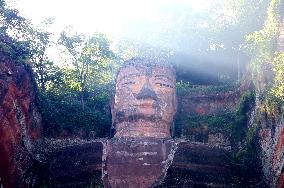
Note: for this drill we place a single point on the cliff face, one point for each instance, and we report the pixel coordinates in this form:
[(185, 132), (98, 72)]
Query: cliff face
[(208, 104), (77, 163), (20, 123), (203, 115), (271, 125), (271, 137)]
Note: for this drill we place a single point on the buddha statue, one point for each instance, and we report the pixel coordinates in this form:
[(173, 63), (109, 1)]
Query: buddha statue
[(145, 99)]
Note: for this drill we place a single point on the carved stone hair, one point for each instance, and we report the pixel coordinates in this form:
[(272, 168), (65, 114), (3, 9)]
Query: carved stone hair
[(149, 62)]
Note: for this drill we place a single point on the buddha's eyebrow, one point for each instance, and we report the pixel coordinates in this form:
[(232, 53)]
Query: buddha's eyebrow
[(130, 76), (164, 77)]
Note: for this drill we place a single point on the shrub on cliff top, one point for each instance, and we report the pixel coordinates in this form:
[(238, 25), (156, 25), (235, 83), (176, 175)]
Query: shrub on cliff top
[(64, 117)]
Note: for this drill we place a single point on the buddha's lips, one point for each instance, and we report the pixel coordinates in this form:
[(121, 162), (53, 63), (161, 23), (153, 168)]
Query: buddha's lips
[(145, 104)]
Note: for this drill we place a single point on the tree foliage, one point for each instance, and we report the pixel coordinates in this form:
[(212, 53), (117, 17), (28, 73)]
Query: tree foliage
[(194, 39), (278, 62), (91, 60), (11, 29), (262, 46)]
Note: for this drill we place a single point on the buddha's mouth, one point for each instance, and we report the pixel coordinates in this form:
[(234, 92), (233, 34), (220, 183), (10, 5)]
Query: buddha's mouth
[(146, 104)]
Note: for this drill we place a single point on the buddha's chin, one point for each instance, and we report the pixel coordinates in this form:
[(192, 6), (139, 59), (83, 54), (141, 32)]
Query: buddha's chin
[(147, 111), (143, 127)]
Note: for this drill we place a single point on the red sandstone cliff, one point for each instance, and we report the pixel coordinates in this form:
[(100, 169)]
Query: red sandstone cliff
[(271, 136), (20, 123), (271, 122)]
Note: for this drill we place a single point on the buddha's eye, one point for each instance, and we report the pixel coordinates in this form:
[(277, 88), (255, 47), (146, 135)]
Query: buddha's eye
[(164, 85), (128, 83)]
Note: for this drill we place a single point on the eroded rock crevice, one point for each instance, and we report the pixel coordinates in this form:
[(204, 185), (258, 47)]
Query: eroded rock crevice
[(167, 163)]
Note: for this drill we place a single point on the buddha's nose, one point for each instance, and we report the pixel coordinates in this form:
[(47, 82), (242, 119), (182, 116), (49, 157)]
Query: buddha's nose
[(147, 92)]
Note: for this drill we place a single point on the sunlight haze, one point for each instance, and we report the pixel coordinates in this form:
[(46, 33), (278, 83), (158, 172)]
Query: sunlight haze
[(89, 16)]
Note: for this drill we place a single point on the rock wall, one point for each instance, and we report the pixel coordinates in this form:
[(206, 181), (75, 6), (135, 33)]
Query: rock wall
[(271, 139), (195, 110), (271, 123), (20, 123), (272, 126), (72, 163), (191, 105), (199, 165), (271, 136)]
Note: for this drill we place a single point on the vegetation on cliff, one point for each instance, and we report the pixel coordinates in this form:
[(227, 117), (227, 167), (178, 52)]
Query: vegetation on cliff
[(262, 47)]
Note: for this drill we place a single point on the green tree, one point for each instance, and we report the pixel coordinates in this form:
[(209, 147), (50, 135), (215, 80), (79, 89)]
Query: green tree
[(10, 19), (11, 31), (262, 48), (24, 42), (44, 69), (91, 60)]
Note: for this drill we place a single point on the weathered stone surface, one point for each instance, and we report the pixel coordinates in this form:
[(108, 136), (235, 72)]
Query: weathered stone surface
[(272, 150), (203, 106), (200, 103), (199, 165), (145, 99), (20, 123), (271, 126), (208, 104), (280, 183), (137, 162), (271, 129), (74, 165), (166, 163), (219, 139)]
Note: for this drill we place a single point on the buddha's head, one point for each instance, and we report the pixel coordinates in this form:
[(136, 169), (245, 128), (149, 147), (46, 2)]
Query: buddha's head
[(145, 99)]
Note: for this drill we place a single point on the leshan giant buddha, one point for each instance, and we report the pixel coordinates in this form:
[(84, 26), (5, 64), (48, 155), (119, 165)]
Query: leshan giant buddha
[(145, 99)]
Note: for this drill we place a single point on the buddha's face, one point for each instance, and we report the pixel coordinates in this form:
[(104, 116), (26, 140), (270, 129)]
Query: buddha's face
[(146, 95)]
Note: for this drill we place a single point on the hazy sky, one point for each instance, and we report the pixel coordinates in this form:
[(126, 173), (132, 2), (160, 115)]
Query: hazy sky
[(132, 20), (89, 16), (155, 23)]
